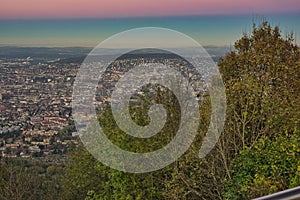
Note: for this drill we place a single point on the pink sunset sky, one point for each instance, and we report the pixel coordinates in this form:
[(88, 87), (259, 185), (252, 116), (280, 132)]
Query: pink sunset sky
[(27, 9)]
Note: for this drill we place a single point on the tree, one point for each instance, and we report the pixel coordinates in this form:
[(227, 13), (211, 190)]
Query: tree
[(261, 77), (28, 179), (262, 82)]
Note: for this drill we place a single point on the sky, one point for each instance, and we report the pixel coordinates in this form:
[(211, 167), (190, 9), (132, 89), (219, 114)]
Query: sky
[(88, 22), (37, 9)]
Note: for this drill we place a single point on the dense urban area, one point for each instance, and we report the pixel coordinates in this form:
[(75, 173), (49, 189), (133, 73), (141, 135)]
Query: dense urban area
[(36, 110)]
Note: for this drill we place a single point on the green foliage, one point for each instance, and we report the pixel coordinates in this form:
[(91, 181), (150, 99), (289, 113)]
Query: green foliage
[(139, 114), (29, 179), (88, 178), (262, 81), (100, 182), (268, 167)]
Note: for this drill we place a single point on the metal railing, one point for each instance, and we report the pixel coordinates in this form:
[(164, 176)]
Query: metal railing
[(290, 194)]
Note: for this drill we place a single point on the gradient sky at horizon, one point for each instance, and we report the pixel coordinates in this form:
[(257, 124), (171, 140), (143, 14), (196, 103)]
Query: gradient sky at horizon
[(41, 9), (88, 22)]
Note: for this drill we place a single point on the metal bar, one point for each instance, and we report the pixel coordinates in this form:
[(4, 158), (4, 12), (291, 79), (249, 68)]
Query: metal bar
[(290, 194)]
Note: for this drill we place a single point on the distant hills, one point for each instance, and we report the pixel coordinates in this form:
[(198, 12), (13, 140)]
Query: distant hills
[(74, 54)]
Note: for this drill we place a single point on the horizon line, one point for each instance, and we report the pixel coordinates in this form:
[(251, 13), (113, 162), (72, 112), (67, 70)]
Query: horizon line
[(88, 47)]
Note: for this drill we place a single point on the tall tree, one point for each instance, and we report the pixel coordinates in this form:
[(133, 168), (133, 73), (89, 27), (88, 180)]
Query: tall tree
[(262, 82)]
